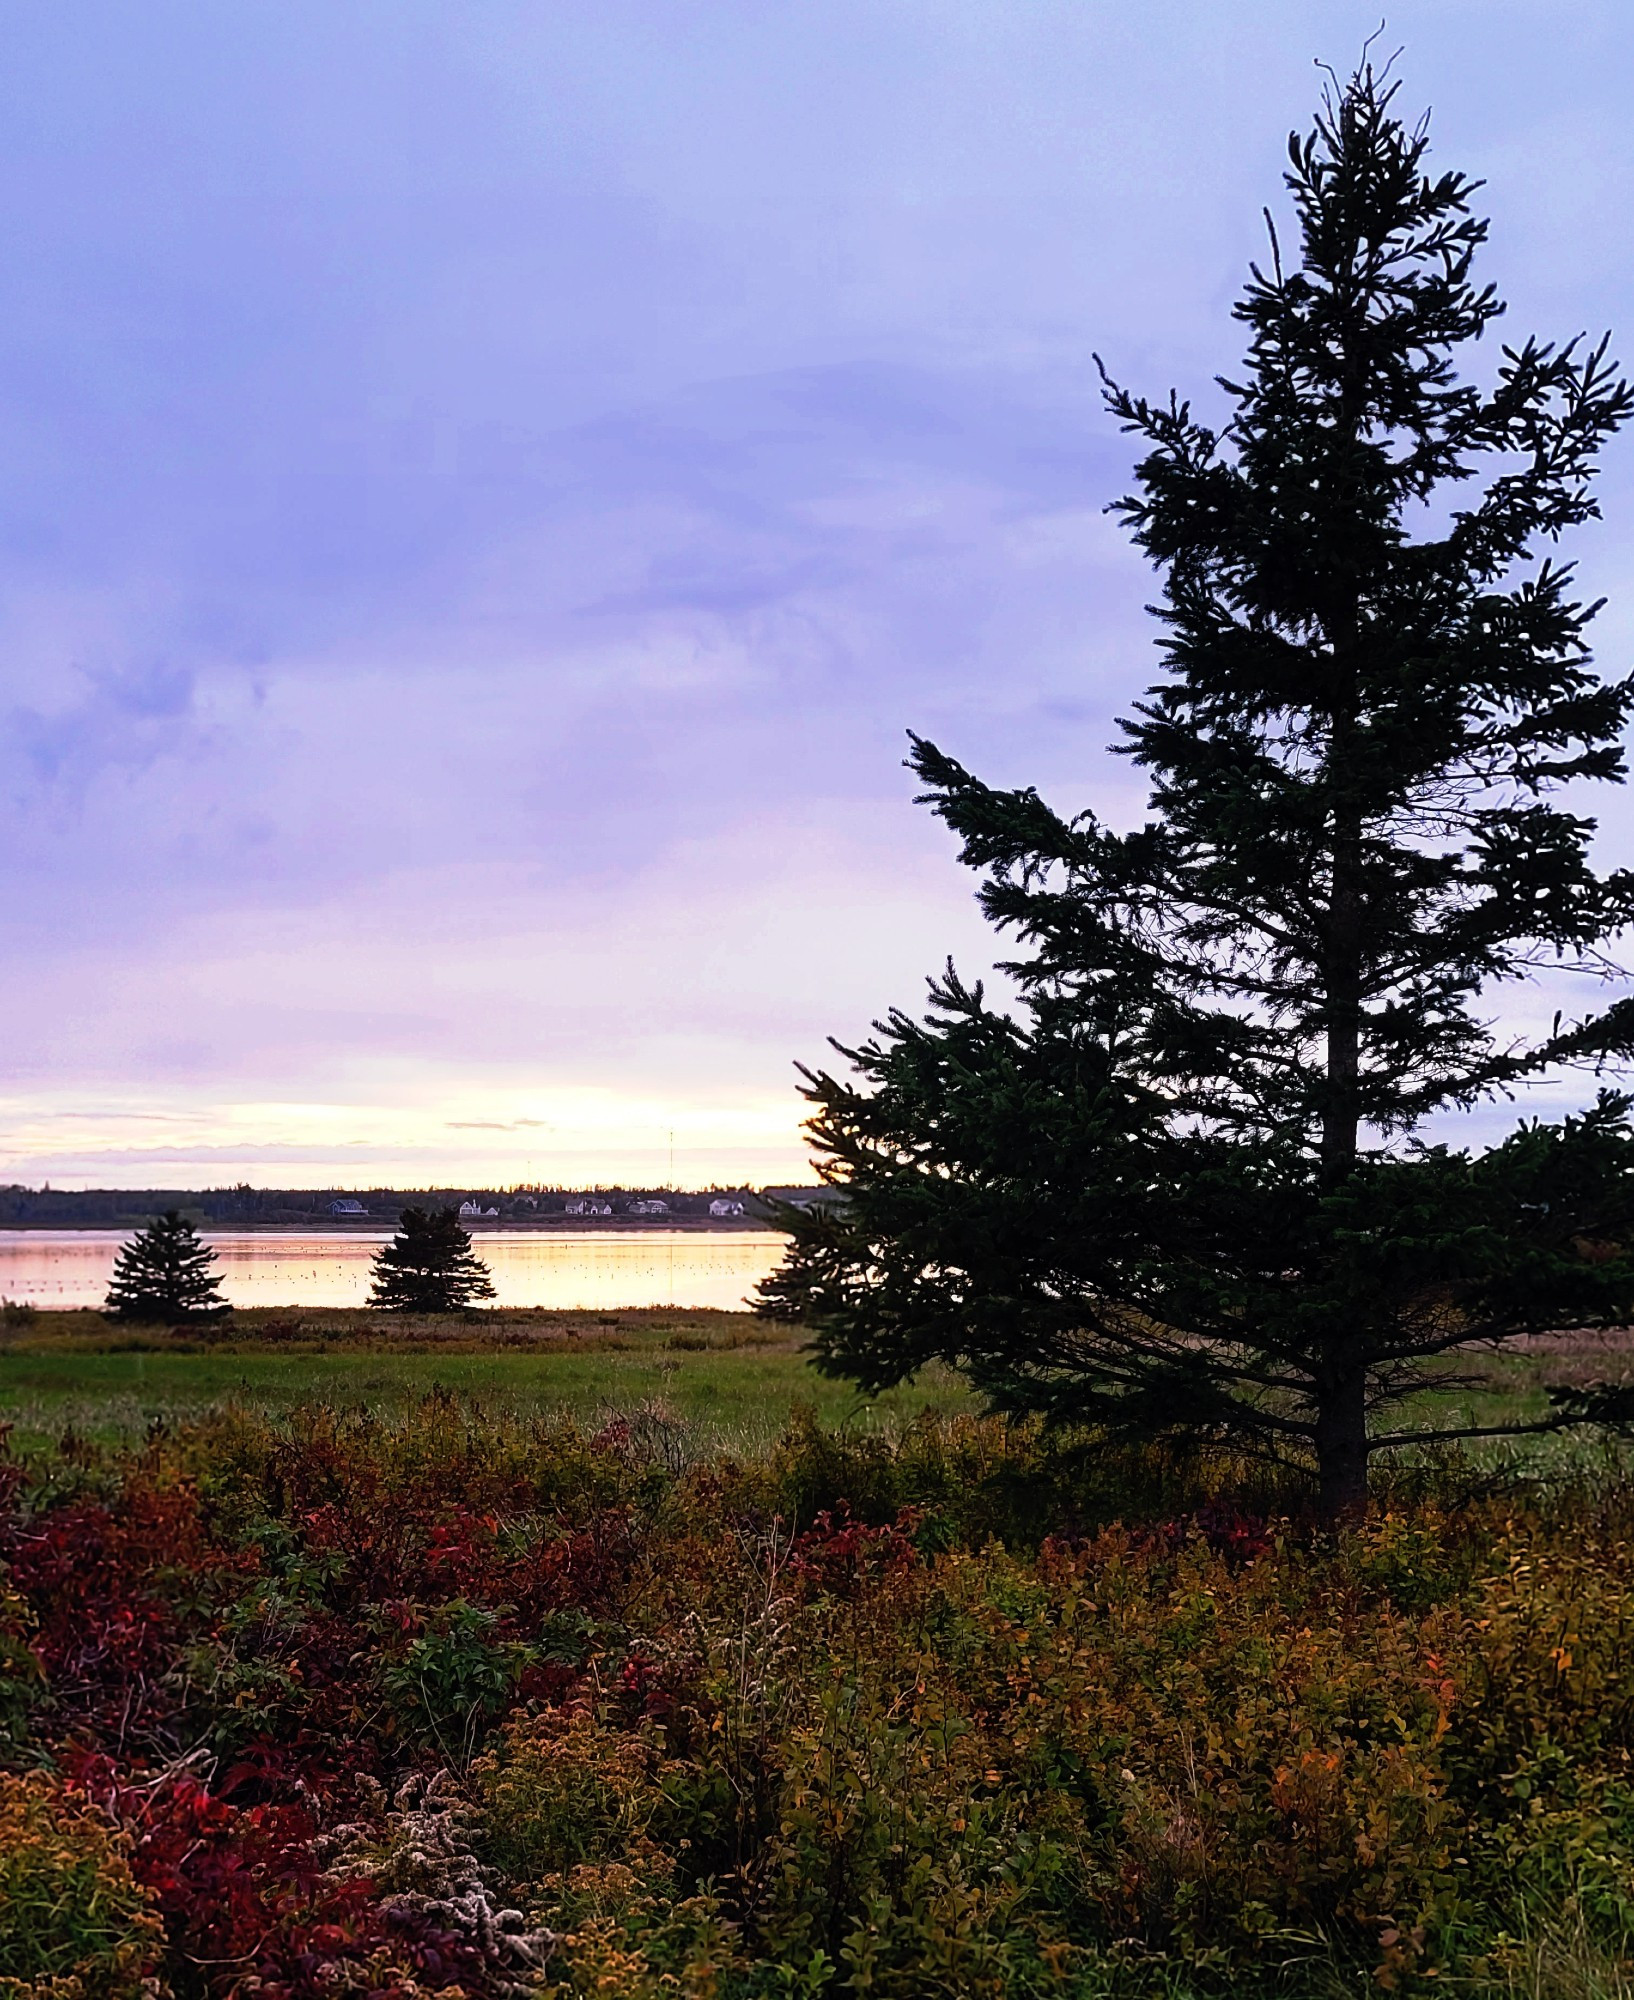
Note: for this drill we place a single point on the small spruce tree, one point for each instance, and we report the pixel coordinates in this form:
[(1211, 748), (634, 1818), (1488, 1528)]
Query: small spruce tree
[(165, 1272), (429, 1266), (1180, 1187)]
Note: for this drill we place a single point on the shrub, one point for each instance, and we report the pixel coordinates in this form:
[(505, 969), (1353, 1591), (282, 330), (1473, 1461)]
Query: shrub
[(453, 1677), (565, 1789), (73, 1922), (701, 1734)]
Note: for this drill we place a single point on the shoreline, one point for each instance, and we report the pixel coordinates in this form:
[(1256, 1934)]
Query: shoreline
[(691, 1225)]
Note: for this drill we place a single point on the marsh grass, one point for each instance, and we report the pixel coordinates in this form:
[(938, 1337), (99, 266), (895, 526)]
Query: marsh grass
[(729, 1379), (1563, 1962)]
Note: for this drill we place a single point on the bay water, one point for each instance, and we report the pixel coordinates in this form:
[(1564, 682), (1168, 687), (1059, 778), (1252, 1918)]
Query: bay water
[(567, 1269)]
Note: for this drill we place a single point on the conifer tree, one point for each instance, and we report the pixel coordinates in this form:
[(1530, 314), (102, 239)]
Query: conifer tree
[(165, 1272), (429, 1266), (1180, 1187)]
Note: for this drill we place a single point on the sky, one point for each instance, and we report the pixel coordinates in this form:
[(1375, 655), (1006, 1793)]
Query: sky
[(486, 488)]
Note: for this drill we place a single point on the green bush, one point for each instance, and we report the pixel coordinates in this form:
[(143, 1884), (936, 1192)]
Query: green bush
[(454, 1677)]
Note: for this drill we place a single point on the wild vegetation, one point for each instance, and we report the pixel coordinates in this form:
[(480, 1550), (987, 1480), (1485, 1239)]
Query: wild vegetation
[(464, 1704)]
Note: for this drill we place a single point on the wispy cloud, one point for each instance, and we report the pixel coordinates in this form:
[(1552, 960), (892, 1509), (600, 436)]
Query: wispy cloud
[(492, 1125)]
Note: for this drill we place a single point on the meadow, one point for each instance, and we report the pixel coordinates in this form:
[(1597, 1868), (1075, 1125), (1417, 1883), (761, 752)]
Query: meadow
[(726, 1378), (321, 1676)]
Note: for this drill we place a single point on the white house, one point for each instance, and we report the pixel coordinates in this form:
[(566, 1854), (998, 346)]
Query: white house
[(649, 1208), (726, 1208), (586, 1205), (473, 1211), (347, 1210)]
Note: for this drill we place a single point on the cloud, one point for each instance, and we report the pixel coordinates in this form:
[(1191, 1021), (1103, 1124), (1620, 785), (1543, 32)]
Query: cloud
[(486, 494), (129, 717)]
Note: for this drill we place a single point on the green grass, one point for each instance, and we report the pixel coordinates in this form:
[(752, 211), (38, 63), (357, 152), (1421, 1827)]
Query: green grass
[(729, 1378)]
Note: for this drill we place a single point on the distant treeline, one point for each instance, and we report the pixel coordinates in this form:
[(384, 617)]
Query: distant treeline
[(128, 1208)]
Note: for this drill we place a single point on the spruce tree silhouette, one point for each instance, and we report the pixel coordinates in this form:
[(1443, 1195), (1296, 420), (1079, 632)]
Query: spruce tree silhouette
[(1178, 1188), (165, 1272), (429, 1266)]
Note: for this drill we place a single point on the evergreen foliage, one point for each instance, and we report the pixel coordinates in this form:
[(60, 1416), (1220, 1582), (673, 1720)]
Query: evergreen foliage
[(429, 1266), (165, 1272), (1178, 1187)]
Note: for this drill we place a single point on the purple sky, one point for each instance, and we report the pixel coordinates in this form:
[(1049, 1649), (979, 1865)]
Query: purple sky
[(486, 487)]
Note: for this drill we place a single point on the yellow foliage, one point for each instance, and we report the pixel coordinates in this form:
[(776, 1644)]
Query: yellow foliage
[(74, 1925)]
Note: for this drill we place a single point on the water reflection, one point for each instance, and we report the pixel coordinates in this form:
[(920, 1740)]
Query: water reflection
[(562, 1268)]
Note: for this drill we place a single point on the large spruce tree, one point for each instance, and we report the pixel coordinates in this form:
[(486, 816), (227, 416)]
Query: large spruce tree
[(1175, 1187), (165, 1272)]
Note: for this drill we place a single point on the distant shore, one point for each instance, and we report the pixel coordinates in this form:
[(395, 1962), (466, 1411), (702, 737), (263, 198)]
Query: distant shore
[(504, 1226), (345, 1211)]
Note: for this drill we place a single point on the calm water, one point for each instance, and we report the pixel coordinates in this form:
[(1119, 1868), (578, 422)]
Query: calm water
[(71, 1267)]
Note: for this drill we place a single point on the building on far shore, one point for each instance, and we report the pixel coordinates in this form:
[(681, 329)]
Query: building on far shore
[(649, 1208), (473, 1211), (587, 1205), (347, 1210), (721, 1207)]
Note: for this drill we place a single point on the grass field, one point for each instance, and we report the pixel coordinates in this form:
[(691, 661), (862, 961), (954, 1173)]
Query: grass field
[(729, 1378), (720, 1380)]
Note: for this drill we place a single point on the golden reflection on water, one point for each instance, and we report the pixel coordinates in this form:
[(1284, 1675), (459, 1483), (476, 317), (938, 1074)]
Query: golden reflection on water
[(59, 1268)]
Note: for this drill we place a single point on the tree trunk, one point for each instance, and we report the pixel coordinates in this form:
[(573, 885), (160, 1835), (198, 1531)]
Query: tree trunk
[(1341, 1376), (1342, 975), (1341, 1444)]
